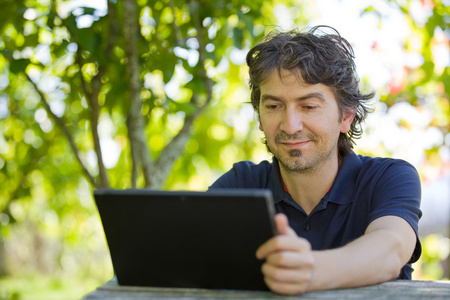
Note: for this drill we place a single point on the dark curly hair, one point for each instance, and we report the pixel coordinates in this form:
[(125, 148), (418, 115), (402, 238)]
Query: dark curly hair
[(321, 58)]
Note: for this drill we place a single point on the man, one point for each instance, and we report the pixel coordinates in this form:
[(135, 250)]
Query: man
[(344, 220)]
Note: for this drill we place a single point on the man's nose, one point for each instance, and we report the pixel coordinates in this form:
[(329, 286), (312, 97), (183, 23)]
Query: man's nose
[(292, 121)]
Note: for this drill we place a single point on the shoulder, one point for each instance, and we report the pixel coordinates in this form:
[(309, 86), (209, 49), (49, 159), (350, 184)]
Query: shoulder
[(383, 186), (394, 189), (382, 162), (250, 167), (245, 174), (387, 170), (392, 186), (365, 173)]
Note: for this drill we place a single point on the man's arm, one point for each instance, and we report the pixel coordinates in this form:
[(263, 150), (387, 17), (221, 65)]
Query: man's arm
[(377, 256)]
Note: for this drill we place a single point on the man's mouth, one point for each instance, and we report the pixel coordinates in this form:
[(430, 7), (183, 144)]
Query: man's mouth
[(294, 144)]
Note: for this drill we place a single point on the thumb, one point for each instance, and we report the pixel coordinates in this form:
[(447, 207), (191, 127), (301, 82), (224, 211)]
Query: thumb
[(282, 225)]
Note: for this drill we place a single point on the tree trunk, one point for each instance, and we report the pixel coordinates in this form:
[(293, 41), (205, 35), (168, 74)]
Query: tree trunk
[(136, 124), (3, 268)]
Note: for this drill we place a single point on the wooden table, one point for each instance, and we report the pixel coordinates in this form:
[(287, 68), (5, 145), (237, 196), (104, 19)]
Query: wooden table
[(397, 289)]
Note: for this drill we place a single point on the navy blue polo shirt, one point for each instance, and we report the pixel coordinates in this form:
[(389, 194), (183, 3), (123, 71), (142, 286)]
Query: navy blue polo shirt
[(364, 189)]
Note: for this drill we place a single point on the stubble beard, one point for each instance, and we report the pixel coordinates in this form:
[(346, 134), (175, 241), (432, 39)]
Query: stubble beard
[(295, 161)]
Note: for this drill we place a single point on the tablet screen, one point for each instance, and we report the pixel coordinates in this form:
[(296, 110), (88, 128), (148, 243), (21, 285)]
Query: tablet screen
[(187, 239)]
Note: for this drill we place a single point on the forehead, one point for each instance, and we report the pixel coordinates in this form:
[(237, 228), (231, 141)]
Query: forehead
[(287, 83), (288, 77)]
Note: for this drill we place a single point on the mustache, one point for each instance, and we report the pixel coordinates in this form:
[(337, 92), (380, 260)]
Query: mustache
[(298, 136)]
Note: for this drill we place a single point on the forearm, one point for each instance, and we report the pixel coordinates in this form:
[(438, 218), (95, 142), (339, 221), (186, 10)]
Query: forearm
[(375, 257)]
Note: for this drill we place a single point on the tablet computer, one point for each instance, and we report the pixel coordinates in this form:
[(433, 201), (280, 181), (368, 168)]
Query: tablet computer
[(187, 239)]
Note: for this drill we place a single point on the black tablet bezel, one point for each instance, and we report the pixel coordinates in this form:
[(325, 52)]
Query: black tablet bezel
[(187, 238)]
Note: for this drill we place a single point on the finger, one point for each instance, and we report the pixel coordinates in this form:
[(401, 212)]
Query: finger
[(282, 225), (288, 259), (286, 288), (282, 243), (287, 275)]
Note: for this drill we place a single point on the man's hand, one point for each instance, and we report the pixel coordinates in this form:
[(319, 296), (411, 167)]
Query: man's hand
[(291, 267), (289, 261)]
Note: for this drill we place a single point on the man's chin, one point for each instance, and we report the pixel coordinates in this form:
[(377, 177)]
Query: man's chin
[(292, 163), (295, 153)]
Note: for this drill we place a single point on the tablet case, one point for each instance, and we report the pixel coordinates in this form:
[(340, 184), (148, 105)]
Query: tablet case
[(187, 239)]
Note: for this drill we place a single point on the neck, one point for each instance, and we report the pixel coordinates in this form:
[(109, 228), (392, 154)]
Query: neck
[(309, 187)]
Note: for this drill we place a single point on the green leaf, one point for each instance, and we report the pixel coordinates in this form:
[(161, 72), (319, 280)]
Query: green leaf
[(238, 36), (88, 10), (31, 40), (196, 85), (71, 23), (19, 65), (7, 54), (188, 108)]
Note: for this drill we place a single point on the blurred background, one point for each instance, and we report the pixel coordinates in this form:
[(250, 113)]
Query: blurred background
[(154, 94)]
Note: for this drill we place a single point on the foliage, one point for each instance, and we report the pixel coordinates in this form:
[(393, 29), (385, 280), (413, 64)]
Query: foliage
[(85, 103), (420, 91), (65, 106), (436, 250)]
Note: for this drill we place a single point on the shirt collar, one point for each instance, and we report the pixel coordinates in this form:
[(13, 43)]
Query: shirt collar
[(343, 187), (276, 185), (341, 191)]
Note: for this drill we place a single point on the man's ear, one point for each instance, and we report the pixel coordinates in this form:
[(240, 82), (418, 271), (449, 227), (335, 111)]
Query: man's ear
[(259, 120), (347, 120)]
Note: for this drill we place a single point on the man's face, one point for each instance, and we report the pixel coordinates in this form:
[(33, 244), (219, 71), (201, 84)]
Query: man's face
[(301, 122)]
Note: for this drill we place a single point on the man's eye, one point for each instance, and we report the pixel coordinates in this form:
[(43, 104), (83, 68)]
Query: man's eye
[(271, 106), (309, 107)]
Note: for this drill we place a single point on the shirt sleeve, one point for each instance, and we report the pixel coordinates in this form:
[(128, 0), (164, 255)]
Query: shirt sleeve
[(397, 192)]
